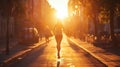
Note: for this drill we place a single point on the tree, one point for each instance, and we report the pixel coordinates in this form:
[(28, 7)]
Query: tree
[(6, 10), (112, 7)]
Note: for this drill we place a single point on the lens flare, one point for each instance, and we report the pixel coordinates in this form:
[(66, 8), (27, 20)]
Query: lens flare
[(61, 7)]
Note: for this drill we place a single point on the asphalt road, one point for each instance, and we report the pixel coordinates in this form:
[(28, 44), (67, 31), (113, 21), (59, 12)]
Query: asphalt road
[(46, 56)]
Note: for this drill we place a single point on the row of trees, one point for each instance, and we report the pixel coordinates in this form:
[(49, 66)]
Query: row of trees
[(12, 9), (15, 9), (25, 13), (99, 11), (37, 13)]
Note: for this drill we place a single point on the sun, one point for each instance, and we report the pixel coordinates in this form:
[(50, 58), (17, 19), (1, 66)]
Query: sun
[(61, 14), (61, 7)]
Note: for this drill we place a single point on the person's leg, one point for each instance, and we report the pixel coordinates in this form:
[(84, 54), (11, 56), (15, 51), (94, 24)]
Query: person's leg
[(58, 49), (47, 38), (59, 45)]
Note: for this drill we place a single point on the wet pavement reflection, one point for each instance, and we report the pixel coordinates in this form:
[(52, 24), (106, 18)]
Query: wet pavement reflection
[(46, 56)]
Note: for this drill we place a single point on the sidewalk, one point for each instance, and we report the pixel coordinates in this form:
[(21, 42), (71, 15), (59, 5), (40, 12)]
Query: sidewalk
[(108, 58), (12, 42), (17, 51)]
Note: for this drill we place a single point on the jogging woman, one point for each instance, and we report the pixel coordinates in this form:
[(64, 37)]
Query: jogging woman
[(58, 36)]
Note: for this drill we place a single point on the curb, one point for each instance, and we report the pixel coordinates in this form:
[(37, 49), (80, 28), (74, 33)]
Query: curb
[(21, 53), (92, 54)]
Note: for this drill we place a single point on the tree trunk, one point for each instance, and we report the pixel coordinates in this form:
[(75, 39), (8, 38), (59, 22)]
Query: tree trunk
[(7, 37), (96, 27), (112, 24)]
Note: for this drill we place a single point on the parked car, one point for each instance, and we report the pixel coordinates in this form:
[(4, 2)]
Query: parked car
[(29, 35)]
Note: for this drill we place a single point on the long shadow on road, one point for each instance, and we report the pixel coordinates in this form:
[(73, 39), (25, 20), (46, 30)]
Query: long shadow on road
[(108, 48), (31, 57), (77, 48), (74, 46), (90, 58)]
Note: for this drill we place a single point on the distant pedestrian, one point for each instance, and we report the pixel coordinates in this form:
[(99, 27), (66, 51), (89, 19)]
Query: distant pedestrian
[(58, 36), (47, 33)]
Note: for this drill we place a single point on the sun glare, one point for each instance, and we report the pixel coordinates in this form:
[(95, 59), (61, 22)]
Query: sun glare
[(61, 7), (61, 14)]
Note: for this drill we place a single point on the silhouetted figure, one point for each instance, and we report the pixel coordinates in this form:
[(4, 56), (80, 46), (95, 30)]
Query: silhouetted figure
[(47, 33), (58, 36)]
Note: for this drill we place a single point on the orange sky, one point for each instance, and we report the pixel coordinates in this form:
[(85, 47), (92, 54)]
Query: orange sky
[(61, 7)]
